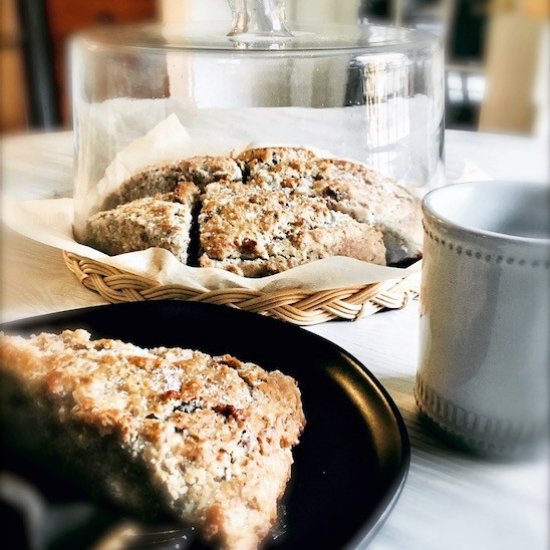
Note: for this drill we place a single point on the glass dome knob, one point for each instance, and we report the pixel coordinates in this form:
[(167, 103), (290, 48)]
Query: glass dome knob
[(257, 19)]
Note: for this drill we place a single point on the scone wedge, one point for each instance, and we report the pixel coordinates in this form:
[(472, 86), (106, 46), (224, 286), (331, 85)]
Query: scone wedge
[(344, 186), (255, 231), (369, 197), (207, 439), (162, 221)]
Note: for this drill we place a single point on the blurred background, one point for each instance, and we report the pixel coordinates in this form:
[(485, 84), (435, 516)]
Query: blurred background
[(497, 52)]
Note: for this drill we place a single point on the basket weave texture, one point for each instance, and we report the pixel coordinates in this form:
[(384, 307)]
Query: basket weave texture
[(296, 306)]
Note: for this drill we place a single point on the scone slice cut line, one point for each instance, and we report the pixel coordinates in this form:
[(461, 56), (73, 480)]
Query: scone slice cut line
[(163, 221), (164, 178)]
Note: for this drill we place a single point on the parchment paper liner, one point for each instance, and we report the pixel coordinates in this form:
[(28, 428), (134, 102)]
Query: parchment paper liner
[(50, 222)]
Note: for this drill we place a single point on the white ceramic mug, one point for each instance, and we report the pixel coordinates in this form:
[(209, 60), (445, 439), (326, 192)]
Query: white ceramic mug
[(483, 377)]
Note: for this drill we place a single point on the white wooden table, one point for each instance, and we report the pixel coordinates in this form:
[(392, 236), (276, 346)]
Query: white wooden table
[(451, 500)]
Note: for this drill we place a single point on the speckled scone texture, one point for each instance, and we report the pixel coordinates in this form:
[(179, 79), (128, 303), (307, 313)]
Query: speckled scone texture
[(163, 220), (165, 177), (211, 436), (253, 233), (369, 197), (266, 159), (348, 187), (273, 208)]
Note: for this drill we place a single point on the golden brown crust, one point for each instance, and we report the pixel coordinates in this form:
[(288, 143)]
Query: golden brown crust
[(185, 192), (213, 433), (253, 159)]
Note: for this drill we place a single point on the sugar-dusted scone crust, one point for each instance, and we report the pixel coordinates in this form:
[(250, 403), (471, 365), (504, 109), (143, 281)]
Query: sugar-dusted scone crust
[(279, 167), (254, 231), (164, 178), (264, 211), (207, 438), (369, 197), (349, 187), (163, 220), (255, 160)]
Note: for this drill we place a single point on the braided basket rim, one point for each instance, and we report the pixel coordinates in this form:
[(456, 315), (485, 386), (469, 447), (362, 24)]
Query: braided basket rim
[(297, 306)]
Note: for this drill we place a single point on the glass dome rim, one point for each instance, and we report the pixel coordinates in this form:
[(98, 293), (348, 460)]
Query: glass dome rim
[(102, 36)]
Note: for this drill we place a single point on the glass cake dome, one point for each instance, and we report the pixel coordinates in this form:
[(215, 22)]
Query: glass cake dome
[(149, 94)]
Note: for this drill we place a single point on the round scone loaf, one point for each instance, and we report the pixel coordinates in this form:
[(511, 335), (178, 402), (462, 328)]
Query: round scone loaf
[(262, 212)]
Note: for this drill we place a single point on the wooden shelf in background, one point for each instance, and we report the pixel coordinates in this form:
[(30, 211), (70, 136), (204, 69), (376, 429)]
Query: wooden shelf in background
[(65, 17), (13, 97)]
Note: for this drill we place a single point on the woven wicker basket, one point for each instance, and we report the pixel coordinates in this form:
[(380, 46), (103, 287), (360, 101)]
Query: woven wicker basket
[(295, 306)]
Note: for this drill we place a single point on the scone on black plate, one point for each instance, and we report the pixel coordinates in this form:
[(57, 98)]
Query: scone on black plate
[(206, 439)]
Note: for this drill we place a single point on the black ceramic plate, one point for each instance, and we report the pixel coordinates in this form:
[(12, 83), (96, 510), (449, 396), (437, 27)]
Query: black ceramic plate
[(351, 462)]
